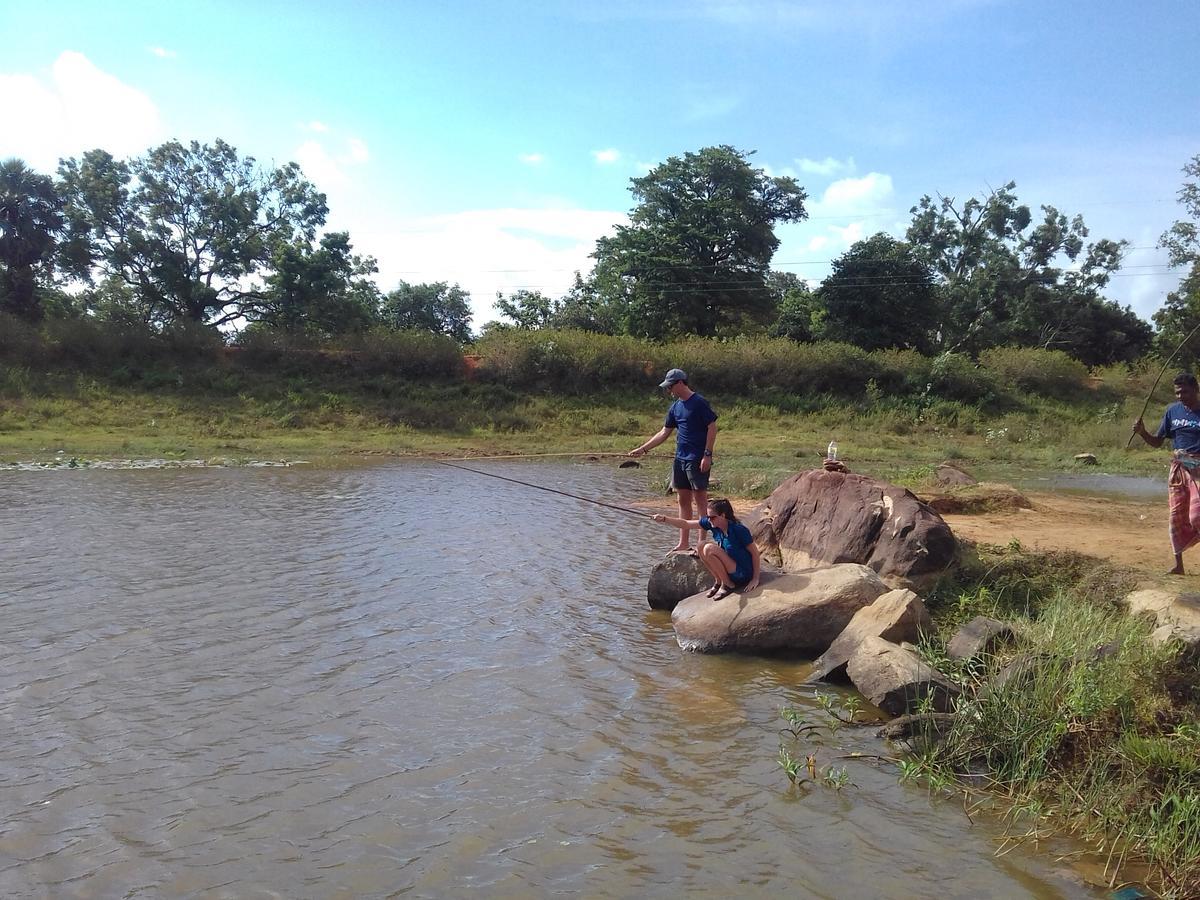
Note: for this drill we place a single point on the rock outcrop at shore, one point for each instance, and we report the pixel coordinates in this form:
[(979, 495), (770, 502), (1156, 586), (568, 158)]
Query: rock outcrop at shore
[(897, 680), (678, 575), (818, 518), (800, 612), (896, 616)]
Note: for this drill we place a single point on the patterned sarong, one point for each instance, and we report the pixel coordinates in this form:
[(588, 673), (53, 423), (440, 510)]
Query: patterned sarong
[(1183, 495)]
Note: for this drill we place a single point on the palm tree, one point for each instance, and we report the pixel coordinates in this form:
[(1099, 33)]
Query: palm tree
[(30, 220)]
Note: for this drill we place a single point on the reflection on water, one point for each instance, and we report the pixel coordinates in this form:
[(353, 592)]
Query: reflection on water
[(1130, 487), (405, 679)]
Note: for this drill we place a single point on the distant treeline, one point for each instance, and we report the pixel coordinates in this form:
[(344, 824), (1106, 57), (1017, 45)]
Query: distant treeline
[(198, 234)]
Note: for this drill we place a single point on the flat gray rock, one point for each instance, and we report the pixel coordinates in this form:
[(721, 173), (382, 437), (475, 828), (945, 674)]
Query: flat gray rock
[(897, 616), (897, 680), (801, 612), (979, 637)]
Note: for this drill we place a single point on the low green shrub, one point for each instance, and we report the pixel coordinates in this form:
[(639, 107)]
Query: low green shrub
[(1047, 372)]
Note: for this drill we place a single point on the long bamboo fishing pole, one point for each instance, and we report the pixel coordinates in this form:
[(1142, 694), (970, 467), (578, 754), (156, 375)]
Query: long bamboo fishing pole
[(540, 487), (1166, 365)]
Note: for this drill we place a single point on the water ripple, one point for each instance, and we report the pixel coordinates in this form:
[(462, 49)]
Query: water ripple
[(394, 680)]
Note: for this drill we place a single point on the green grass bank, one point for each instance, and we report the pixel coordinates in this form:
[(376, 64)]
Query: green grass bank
[(1098, 732), (95, 390)]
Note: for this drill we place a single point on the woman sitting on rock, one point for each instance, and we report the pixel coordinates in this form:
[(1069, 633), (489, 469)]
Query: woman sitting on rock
[(732, 556)]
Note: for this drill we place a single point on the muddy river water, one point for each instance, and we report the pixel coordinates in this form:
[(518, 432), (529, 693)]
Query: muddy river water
[(402, 680)]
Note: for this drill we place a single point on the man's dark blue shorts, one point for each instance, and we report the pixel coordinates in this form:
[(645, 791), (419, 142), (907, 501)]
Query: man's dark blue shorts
[(686, 476)]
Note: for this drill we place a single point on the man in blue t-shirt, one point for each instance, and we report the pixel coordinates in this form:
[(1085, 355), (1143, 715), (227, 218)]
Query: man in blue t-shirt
[(1181, 424), (695, 425)]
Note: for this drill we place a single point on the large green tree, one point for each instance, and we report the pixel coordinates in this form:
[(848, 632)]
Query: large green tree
[(326, 289), (995, 266), (528, 310), (437, 307), (697, 250), (879, 295), (191, 228), (1181, 311), (30, 221), (796, 308)]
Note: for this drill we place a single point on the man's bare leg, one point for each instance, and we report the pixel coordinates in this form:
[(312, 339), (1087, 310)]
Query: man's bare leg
[(685, 512), (701, 498), (1178, 570)]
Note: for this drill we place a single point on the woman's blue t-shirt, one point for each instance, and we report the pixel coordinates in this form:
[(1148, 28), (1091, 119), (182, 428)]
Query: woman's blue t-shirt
[(736, 542), (1182, 426)]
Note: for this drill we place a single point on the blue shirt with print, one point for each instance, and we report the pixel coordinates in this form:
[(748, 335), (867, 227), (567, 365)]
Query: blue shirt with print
[(1182, 426), (692, 417), (736, 542)]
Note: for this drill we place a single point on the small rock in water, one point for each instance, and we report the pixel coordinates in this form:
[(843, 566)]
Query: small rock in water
[(630, 464)]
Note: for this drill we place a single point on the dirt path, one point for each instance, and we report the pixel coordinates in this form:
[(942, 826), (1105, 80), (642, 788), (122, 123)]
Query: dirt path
[(1133, 533)]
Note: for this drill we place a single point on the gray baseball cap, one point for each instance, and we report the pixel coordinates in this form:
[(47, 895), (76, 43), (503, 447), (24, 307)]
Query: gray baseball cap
[(674, 377)]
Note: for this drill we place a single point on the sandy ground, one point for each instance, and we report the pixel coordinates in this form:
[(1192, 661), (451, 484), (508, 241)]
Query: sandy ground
[(1129, 532)]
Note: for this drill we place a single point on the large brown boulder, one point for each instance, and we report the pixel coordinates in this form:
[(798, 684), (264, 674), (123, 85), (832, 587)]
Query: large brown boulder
[(820, 518), (801, 612), (897, 680), (896, 616), (678, 575)]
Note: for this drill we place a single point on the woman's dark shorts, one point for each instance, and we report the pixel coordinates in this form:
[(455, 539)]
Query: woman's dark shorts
[(686, 476)]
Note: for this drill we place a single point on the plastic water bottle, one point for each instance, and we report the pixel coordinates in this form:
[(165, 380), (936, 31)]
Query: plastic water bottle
[(831, 453)]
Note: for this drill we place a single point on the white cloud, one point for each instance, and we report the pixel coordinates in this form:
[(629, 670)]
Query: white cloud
[(318, 126), (77, 107), (826, 166), (356, 151), (486, 250), (851, 234), (644, 167), (785, 172), (163, 52), (869, 196), (606, 157), (328, 168), (532, 159)]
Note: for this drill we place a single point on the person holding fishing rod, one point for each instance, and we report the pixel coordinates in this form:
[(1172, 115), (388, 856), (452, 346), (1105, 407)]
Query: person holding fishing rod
[(1181, 424), (731, 557), (695, 424)]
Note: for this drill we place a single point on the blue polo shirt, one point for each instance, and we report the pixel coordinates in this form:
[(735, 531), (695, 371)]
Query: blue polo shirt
[(1182, 426), (736, 542), (691, 417)]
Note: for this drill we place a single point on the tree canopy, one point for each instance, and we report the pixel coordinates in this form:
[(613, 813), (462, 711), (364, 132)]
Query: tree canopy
[(30, 221), (879, 295), (1181, 311), (436, 307), (192, 228), (1002, 277), (697, 250)]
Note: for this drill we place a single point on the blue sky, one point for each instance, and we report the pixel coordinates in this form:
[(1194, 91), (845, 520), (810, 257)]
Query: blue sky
[(490, 144)]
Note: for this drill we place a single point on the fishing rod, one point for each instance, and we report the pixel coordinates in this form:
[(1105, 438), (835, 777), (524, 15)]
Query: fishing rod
[(539, 487), (1146, 405), (587, 453)]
